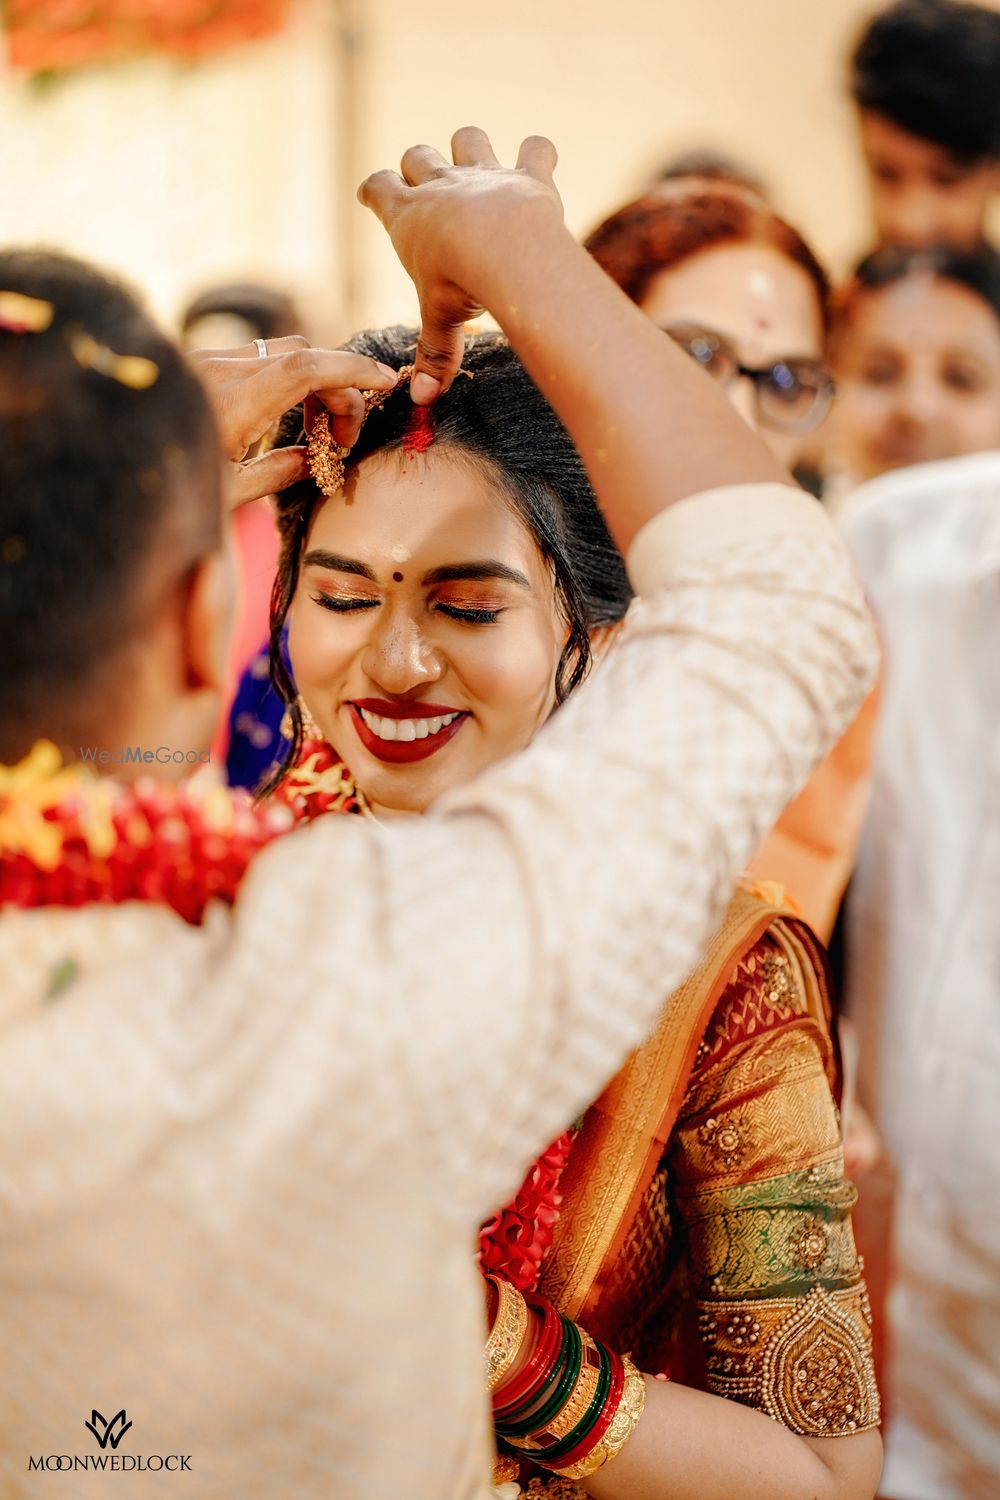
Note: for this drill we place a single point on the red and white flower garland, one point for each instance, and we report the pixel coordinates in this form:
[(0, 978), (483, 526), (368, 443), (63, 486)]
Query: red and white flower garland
[(68, 838)]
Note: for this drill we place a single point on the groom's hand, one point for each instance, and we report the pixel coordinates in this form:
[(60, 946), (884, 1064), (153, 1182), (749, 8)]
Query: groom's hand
[(451, 223)]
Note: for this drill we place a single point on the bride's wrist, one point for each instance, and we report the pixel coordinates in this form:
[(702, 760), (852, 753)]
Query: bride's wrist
[(560, 1397)]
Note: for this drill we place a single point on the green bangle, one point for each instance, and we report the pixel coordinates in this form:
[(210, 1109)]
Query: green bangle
[(521, 1420), (564, 1389), (559, 1450), (540, 1419)]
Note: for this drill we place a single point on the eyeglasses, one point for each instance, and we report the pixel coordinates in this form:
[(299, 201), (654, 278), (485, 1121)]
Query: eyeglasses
[(793, 395)]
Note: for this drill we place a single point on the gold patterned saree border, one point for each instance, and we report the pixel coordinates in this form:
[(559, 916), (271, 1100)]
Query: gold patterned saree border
[(625, 1132)]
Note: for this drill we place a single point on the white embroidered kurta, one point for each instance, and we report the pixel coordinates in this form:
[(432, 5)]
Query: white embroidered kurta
[(924, 976), (242, 1166)]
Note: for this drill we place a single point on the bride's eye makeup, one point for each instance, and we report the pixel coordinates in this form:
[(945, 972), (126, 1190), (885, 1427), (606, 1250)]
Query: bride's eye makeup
[(344, 603), (473, 615), (340, 582), (464, 592), (476, 606), (477, 593)]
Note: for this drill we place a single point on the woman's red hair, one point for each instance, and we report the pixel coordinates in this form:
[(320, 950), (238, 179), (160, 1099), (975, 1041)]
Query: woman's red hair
[(682, 218)]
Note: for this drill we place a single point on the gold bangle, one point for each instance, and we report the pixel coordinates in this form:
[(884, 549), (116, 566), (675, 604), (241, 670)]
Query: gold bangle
[(577, 1402), (507, 1334), (623, 1424)]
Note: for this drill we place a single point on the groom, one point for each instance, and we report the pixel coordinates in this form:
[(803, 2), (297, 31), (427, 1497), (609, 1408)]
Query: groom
[(242, 1158)]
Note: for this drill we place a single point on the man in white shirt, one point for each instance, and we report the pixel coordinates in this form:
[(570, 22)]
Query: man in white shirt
[(241, 1163), (924, 962)]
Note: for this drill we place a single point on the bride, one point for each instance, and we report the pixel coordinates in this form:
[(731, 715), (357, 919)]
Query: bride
[(438, 609)]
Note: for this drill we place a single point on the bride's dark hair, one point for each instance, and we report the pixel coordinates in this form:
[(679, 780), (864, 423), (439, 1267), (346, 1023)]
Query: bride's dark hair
[(499, 421)]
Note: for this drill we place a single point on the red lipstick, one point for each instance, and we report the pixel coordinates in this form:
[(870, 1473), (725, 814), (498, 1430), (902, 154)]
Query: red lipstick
[(404, 752), (408, 708)]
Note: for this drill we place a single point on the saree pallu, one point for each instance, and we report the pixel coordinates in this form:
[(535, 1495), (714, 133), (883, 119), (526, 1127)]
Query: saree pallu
[(705, 1220)]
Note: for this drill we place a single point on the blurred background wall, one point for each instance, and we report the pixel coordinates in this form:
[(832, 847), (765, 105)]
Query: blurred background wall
[(244, 164)]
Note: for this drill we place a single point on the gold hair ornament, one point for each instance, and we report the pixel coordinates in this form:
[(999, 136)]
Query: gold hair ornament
[(326, 457)]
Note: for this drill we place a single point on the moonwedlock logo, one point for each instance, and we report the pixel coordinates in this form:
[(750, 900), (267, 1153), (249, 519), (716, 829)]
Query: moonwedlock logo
[(109, 1435), (104, 1431)]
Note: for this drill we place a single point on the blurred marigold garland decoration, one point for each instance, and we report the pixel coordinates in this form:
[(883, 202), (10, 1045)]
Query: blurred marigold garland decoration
[(58, 36)]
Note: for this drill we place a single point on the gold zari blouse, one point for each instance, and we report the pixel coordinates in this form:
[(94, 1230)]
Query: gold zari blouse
[(725, 1256)]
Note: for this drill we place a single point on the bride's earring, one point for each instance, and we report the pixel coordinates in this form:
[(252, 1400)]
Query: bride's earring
[(310, 729)]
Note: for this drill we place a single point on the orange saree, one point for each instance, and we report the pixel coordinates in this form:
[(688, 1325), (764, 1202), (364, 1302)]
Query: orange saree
[(704, 1224)]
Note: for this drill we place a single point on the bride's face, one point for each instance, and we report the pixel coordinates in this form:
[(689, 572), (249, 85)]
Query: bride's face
[(424, 633)]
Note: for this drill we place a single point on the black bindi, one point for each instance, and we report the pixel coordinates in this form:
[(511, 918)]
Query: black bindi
[(397, 577)]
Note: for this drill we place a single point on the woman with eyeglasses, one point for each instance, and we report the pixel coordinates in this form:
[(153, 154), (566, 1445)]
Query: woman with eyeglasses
[(742, 292), (739, 289)]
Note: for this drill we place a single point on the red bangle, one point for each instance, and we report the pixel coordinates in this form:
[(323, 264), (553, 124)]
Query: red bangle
[(538, 1369), (600, 1427)]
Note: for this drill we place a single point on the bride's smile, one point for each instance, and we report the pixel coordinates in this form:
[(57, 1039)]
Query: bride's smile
[(406, 731), (422, 673)]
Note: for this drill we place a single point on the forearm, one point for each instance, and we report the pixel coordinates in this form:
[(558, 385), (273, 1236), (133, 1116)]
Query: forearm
[(692, 1446), (651, 427)]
